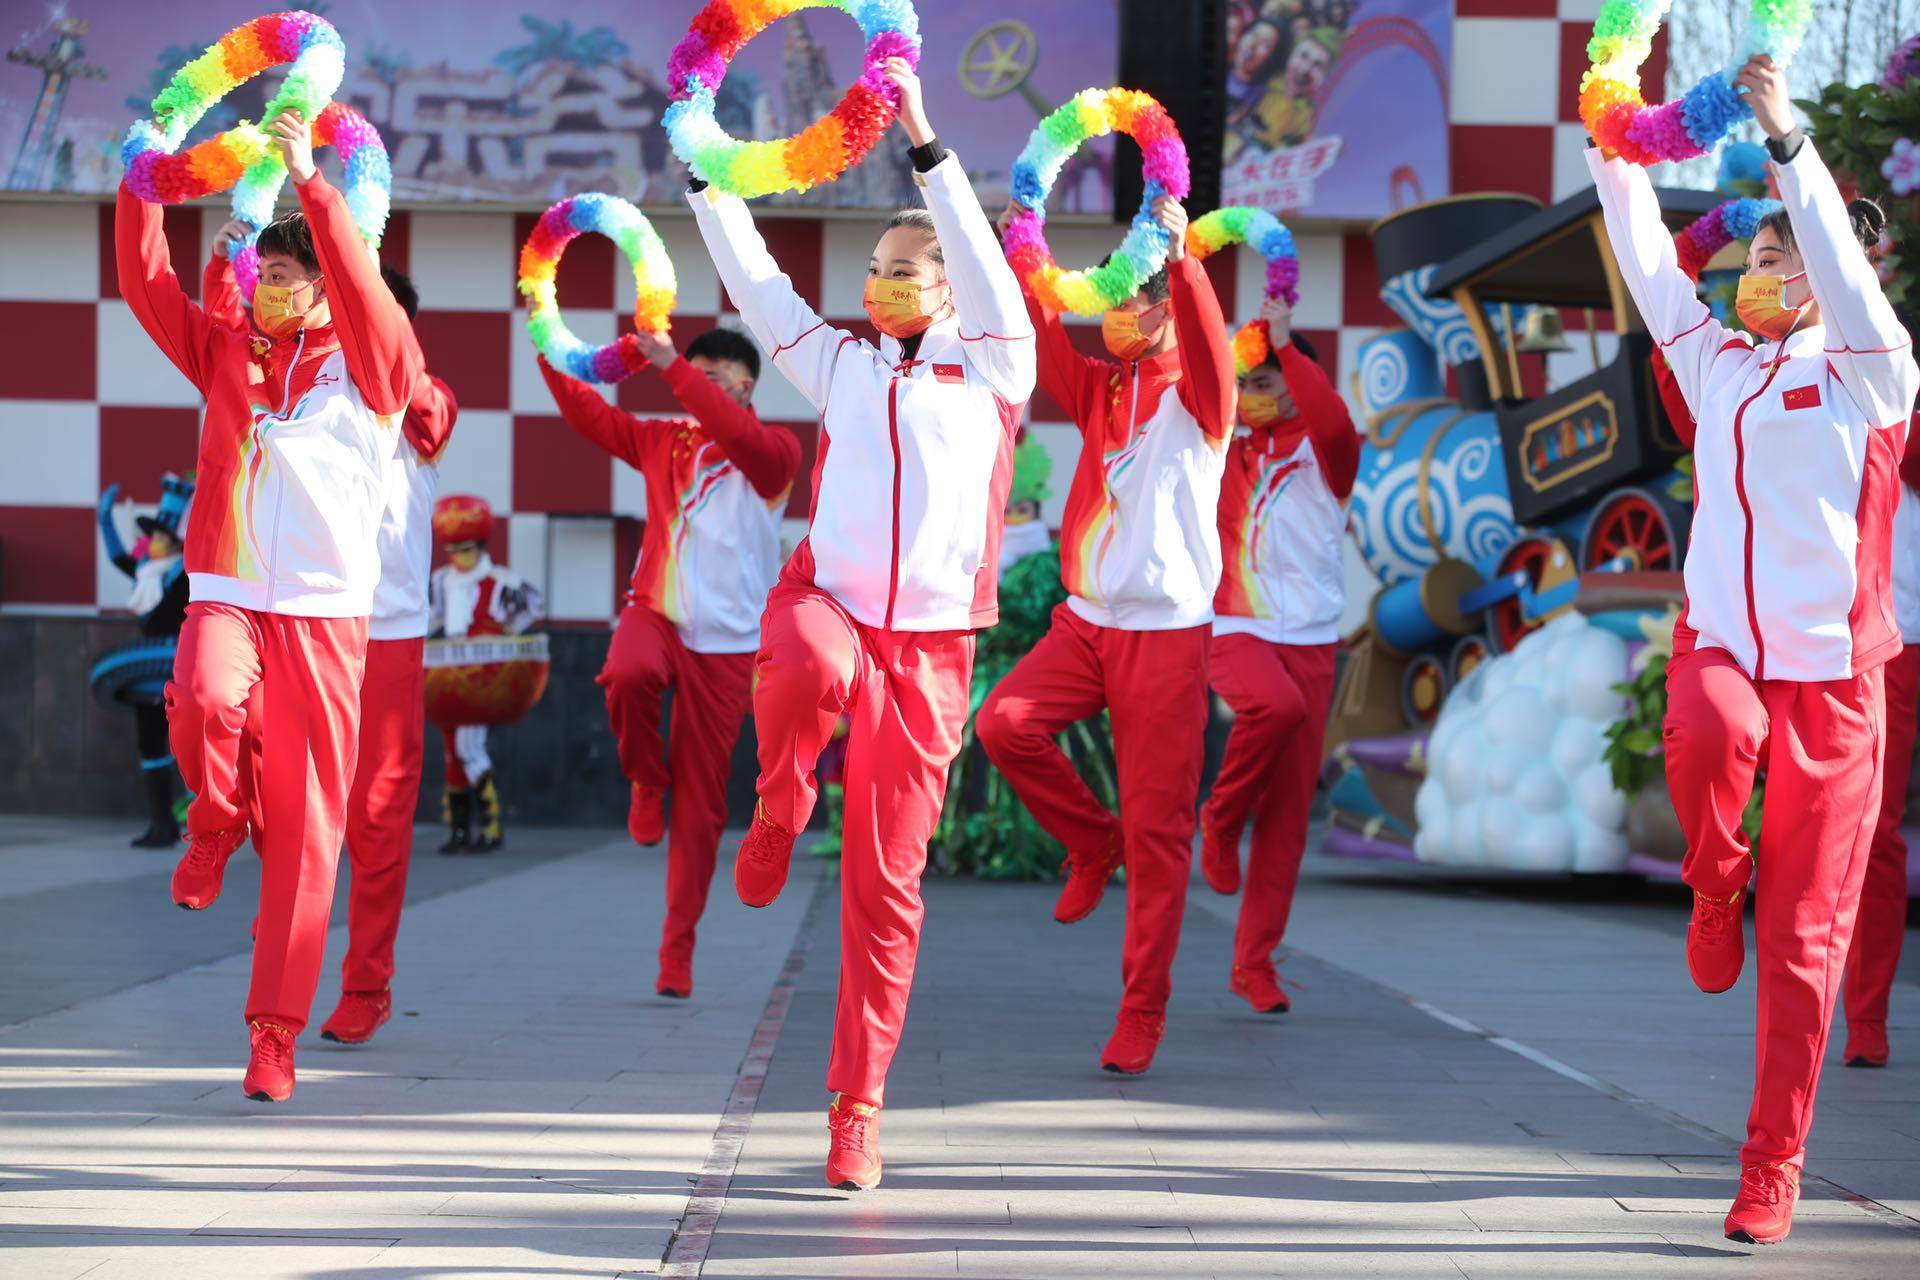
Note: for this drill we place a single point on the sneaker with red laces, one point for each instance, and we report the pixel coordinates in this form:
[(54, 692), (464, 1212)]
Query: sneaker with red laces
[(646, 816), (196, 880), (676, 979), (1716, 948), (1220, 859), (853, 1145), (1763, 1211), (270, 1069), (358, 1015), (1130, 1049), (1866, 1044), (760, 868), (1087, 876), (1259, 986)]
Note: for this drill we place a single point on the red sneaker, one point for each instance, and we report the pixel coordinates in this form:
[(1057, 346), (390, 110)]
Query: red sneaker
[(647, 816), (196, 881), (760, 868), (1259, 986), (1763, 1211), (1716, 948), (270, 1069), (676, 979), (1220, 859), (358, 1015), (853, 1145), (1866, 1044), (1087, 876), (1135, 1037)]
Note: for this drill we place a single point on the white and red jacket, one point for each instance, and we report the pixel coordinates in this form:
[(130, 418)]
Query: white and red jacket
[(412, 472), (1797, 442), (1283, 516), (1140, 538), (486, 600), (298, 431), (915, 456), (717, 485)]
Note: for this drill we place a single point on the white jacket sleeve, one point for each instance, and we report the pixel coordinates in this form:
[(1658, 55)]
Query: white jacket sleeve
[(803, 346), (1869, 348), (1689, 337), (986, 295)]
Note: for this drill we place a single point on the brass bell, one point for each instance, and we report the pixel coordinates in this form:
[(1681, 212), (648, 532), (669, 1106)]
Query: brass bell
[(1542, 331)]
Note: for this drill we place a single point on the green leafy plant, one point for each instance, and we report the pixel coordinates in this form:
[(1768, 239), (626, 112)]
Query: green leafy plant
[(1855, 127)]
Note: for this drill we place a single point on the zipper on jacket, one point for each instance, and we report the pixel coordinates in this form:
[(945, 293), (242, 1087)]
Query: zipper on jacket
[(893, 432), (1746, 510), (286, 403)]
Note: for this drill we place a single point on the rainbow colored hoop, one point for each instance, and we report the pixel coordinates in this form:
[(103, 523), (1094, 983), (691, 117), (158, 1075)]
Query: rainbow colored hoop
[(1089, 114), (653, 284), (824, 149), (1240, 224), (157, 174), (369, 186), (1717, 228), (1619, 119)]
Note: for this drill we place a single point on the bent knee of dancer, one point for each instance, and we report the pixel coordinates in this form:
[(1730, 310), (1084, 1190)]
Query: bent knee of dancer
[(1005, 727), (1702, 736)]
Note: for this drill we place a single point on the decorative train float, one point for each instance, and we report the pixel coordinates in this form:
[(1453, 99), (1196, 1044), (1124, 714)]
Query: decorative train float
[(1527, 534)]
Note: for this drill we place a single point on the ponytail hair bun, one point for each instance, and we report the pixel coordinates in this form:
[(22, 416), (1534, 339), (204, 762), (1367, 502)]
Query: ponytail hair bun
[(1869, 222)]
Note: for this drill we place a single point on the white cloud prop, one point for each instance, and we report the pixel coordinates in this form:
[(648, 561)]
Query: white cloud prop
[(1515, 780)]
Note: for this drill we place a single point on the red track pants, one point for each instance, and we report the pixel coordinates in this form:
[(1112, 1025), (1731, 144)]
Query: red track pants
[(292, 686), (1822, 745), (712, 693), (905, 694), (380, 807), (1280, 695), (1155, 685), (1882, 926)]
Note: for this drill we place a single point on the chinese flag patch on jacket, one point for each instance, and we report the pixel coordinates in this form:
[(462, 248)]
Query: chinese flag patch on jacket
[(949, 373), (1807, 397)]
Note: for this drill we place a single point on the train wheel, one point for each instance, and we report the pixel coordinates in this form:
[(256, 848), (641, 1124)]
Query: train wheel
[(1547, 564), (1630, 523), (1423, 690), (1468, 653)]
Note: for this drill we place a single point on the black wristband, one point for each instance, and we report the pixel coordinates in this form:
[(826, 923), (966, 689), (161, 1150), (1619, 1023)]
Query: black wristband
[(1784, 149), (696, 185), (926, 156)]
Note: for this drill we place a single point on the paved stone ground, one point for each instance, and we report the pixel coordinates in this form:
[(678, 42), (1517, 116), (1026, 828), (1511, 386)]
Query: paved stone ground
[(1479, 1078)]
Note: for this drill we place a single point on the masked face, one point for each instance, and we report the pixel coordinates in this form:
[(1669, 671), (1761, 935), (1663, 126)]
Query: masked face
[(280, 310), (1264, 398), (1760, 302), (902, 308), (1128, 334)]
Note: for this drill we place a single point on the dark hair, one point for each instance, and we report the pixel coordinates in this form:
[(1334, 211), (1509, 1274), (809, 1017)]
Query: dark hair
[(1300, 341), (289, 236), (919, 220), (726, 344), (1157, 288), (1868, 220), (402, 289)]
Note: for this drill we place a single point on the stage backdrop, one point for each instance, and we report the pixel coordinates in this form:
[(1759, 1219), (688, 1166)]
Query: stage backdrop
[(525, 103), (1337, 108)]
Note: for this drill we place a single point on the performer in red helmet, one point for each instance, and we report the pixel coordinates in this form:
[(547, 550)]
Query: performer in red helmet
[(282, 558), (471, 596), (1779, 659), (716, 488)]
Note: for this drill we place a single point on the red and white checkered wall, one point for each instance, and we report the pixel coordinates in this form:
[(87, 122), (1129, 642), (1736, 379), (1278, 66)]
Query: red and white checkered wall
[(87, 401)]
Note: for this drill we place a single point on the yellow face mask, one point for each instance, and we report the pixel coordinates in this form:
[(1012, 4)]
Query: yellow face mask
[(1760, 302), (281, 310), (901, 308), (1259, 409), (1121, 331)]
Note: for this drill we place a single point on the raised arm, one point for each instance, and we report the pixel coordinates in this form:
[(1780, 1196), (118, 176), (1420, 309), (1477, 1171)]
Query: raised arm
[(219, 291), (614, 430), (769, 457), (986, 295), (1329, 424), (383, 357), (804, 346), (428, 425), (144, 267), (1689, 336), (1206, 385)]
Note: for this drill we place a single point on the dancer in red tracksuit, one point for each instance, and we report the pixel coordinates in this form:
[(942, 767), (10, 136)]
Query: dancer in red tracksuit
[(716, 489), (1283, 520), (1140, 556), (386, 777), (874, 615), (283, 560), (1781, 652), (1882, 926)]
